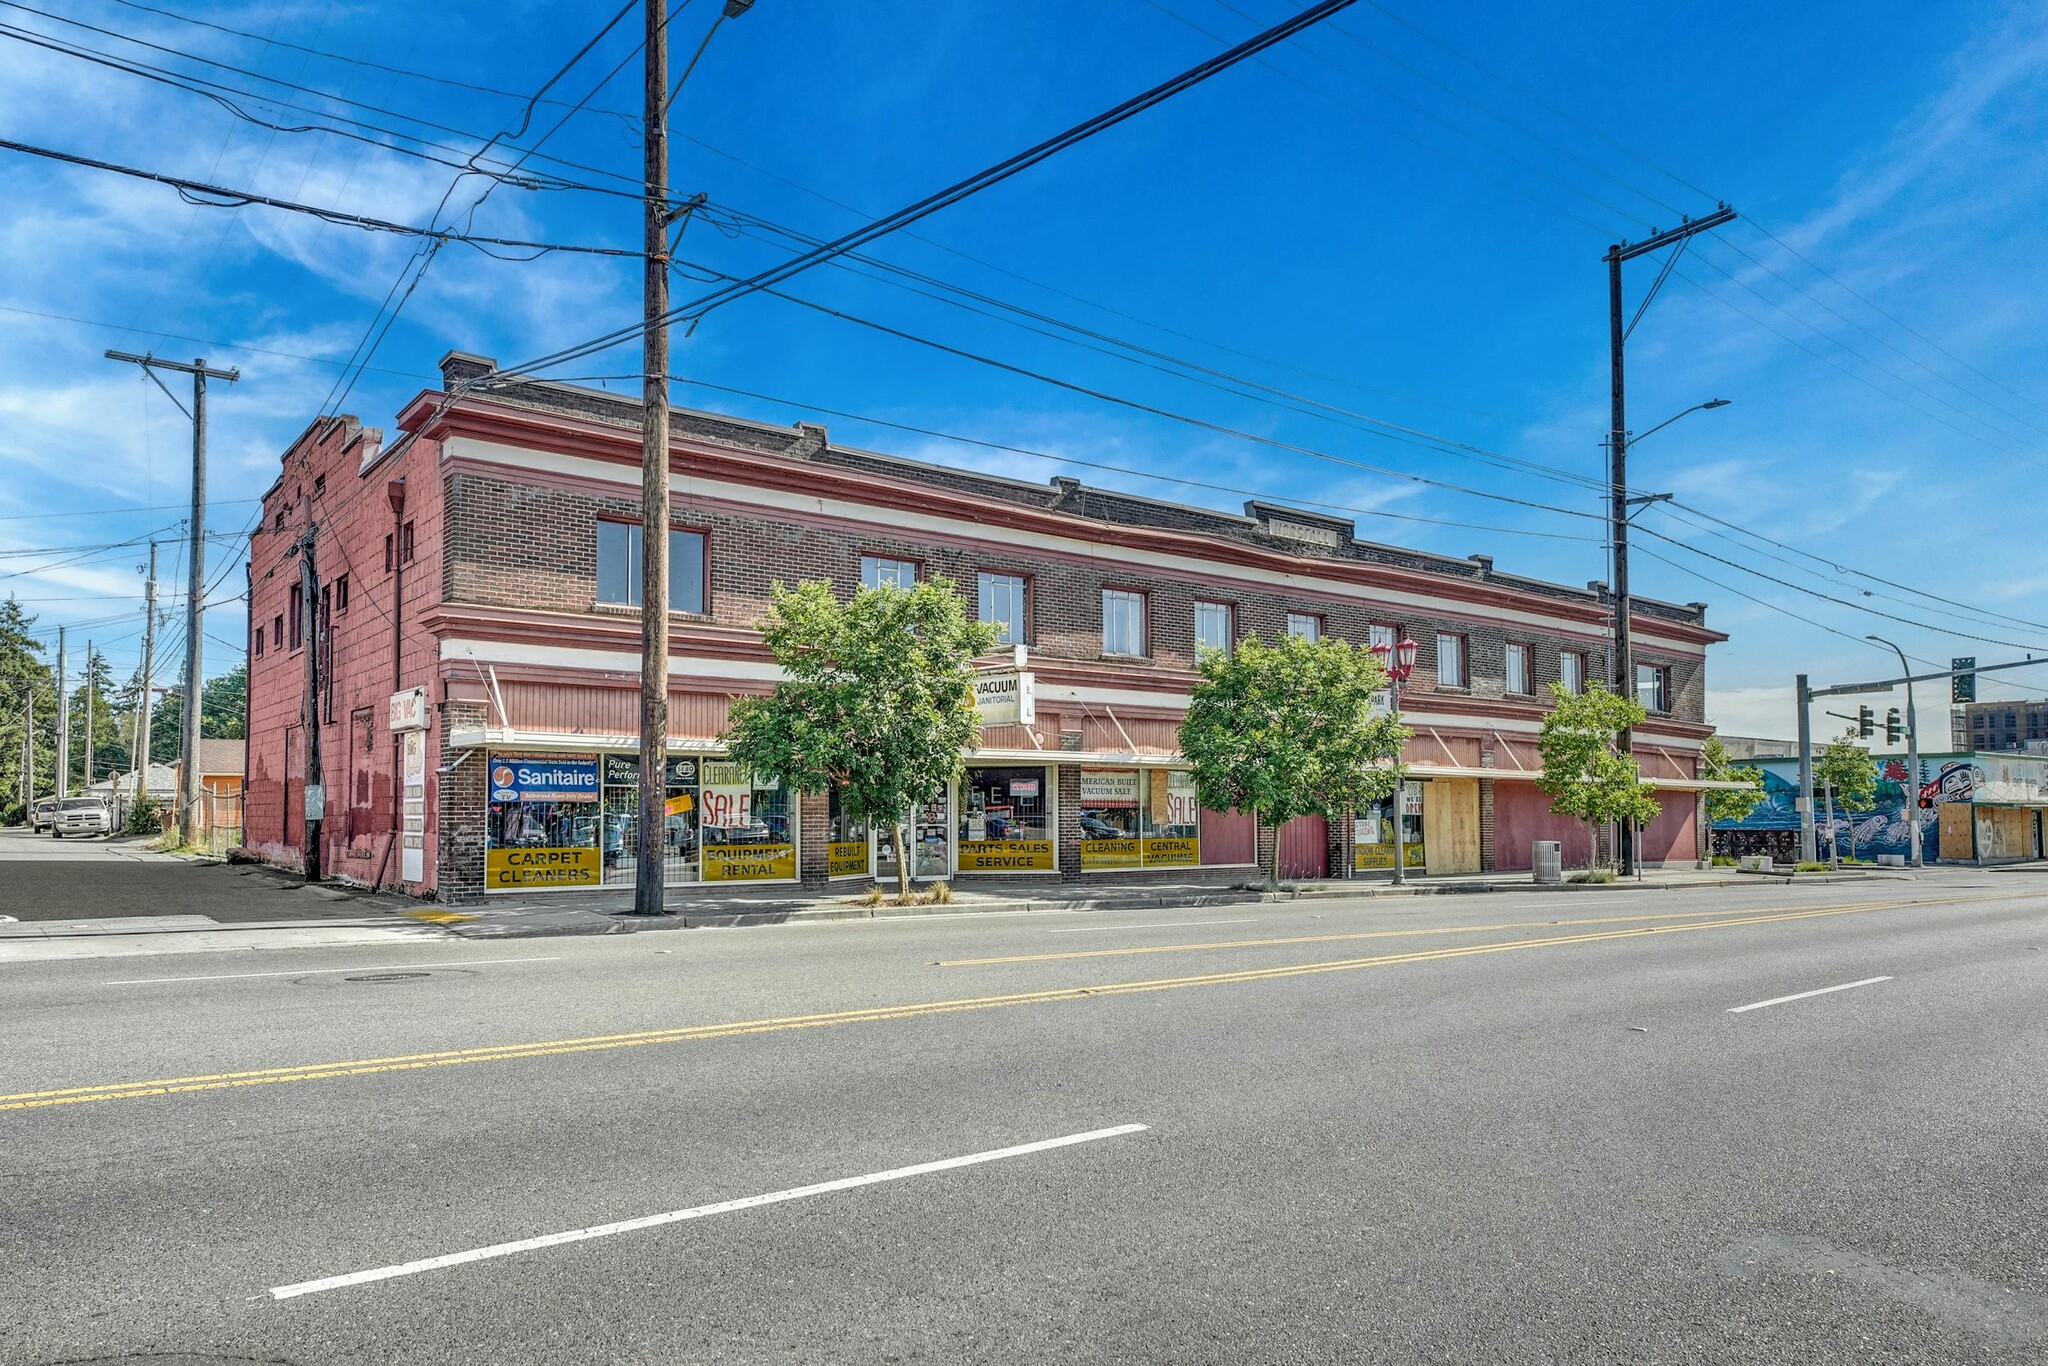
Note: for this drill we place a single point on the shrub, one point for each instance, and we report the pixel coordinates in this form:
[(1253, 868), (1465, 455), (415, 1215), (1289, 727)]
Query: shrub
[(1586, 875), (1724, 861), (1810, 868), (144, 817)]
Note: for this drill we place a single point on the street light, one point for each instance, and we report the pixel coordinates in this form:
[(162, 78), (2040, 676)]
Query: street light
[(1624, 663), (1911, 792), (1398, 668)]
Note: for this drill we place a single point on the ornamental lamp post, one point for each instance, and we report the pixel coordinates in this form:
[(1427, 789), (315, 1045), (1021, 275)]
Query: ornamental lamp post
[(1398, 667)]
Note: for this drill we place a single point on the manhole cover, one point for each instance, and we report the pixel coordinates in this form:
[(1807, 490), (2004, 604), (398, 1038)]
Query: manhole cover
[(387, 977)]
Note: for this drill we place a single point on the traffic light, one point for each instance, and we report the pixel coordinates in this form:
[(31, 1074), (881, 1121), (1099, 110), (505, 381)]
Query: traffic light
[(1962, 678), (1894, 728), (1866, 723)]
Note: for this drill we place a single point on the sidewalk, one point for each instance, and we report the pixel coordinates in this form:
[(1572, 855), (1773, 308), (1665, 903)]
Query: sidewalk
[(607, 912)]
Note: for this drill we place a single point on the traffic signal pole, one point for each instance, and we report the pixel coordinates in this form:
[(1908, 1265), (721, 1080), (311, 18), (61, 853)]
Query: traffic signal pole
[(1961, 678)]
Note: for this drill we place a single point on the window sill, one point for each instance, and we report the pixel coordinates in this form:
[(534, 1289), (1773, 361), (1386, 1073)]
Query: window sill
[(620, 609)]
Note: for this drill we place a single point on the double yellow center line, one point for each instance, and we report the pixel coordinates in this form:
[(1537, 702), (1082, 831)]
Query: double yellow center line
[(409, 1062)]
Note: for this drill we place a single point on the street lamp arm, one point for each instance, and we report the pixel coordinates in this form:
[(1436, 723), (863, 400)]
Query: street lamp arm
[(1696, 408)]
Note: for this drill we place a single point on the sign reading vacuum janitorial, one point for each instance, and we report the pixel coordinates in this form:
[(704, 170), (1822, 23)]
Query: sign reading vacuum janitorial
[(1006, 699)]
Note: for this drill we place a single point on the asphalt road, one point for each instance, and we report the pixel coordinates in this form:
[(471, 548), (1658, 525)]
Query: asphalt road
[(48, 879), (1509, 1128)]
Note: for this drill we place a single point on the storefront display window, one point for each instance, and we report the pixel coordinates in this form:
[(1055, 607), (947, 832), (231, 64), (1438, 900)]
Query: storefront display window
[(1005, 821), (1373, 831), (1139, 818), (680, 833), (851, 852), (748, 827), (542, 830)]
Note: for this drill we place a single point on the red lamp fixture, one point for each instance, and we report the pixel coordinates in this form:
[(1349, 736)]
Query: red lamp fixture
[(1402, 661)]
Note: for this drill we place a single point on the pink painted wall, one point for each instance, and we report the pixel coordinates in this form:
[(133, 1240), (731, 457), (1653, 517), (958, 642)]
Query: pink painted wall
[(1674, 836), (1521, 815)]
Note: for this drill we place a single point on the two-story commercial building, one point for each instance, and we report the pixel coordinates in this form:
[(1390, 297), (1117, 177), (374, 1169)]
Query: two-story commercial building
[(468, 593)]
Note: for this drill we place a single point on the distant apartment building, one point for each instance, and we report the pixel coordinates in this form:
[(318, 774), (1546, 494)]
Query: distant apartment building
[(1988, 727), (474, 622)]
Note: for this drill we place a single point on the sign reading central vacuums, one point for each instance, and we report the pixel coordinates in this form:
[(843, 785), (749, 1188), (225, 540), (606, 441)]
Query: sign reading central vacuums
[(543, 780)]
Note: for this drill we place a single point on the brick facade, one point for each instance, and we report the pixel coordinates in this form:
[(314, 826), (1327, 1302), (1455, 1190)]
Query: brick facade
[(500, 622)]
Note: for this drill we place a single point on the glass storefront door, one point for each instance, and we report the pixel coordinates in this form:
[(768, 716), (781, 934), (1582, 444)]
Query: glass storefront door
[(927, 833)]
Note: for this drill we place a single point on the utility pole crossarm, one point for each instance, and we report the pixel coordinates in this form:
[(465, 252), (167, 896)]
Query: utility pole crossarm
[(1628, 251)]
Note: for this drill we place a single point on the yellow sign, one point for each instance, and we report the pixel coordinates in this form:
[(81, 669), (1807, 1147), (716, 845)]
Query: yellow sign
[(1109, 854), (506, 868), (847, 860), (680, 805), (749, 862), (1006, 856), (1172, 853), (1372, 856)]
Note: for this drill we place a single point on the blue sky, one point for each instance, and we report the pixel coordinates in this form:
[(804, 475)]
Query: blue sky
[(1401, 214)]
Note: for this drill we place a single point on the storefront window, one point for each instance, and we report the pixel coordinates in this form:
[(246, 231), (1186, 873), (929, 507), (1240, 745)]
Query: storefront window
[(1373, 829), (1005, 821), (1139, 818), (851, 852), (542, 830), (748, 826), (679, 835)]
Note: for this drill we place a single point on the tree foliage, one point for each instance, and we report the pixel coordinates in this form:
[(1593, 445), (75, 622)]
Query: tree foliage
[(1584, 773), (1850, 770), (1718, 767), (223, 714), (28, 701), (1289, 730), (876, 698)]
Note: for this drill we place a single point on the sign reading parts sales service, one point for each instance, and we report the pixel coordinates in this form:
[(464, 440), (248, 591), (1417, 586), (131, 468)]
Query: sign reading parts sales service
[(543, 777)]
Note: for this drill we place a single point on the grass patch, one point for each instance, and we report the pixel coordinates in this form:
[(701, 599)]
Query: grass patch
[(938, 894), (1811, 868), (1591, 875), (1724, 861)]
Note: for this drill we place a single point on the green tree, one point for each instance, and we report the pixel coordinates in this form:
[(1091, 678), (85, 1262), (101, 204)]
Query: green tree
[(1584, 774), (28, 700), (223, 714), (106, 749), (1289, 730), (1717, 767), (876, 698), (1851, 771)]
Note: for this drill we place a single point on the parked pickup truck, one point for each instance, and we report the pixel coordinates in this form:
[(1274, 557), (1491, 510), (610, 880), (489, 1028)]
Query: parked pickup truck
[(42, 814), (82, 816)]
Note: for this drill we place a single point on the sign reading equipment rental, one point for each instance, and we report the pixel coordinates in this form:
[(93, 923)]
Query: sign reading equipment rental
[(1006, 699)]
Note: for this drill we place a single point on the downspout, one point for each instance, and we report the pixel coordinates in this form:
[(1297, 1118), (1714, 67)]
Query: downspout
[(395, 491)]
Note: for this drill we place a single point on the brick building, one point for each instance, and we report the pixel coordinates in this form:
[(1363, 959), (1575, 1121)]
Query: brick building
[(1992, 726), (474, 619)]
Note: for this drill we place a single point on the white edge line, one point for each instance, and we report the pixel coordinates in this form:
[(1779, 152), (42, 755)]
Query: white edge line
[(311, 972), (1780, 1000), (1161, 925), (385, 1273)]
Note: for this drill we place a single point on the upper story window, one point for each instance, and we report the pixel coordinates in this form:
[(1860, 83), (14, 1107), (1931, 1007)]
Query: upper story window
[(259, 640), (1450, 661), (876, 572), (1653, 687), (405, 544), (1304, 626), (296, 617), (277, 631), (1519, 677), (1212, 626), (1002, 604), (618, 566), (388, 543), (1123, 622), (341, 596), (1571, 671)]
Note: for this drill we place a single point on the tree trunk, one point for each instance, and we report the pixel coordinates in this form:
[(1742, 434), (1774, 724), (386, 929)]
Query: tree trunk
[(902, 864)]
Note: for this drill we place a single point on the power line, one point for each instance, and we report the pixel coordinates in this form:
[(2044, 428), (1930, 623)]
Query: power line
[(962, 189), (1066, 460), (190, 190)]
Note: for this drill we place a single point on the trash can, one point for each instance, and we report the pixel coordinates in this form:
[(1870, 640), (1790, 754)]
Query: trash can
[(1546, 858)]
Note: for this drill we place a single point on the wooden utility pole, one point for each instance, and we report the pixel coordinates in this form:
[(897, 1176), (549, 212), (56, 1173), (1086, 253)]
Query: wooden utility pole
[(315, 788), (649, 875), (148, 692), (63, 719), (87, 785), (195, 592)]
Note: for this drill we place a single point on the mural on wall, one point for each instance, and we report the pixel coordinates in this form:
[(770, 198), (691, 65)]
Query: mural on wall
[(1884, 829)]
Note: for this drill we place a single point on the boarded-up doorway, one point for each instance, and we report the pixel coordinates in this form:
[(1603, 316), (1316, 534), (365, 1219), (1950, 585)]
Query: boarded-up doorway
[(1450, 825)]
